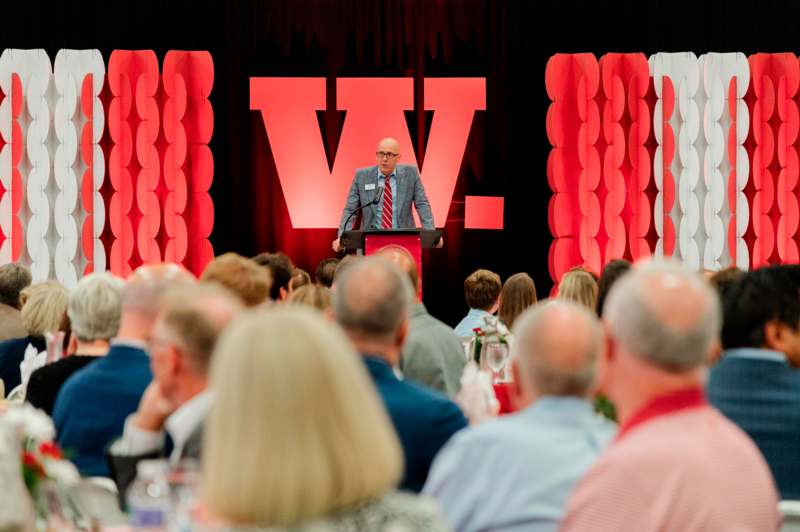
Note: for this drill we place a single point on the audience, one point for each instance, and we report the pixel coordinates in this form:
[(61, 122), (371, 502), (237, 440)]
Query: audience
[(281, 269), (176, 402), (372, 306), (432, 353), (93, 310), (326, 269), (297, 439), (611, 273), (516, 473), (300, 278), (676, 464), (43, 308), (481, 291), (306, 423), (578, 285), (313, 295), (756, 384), (13, 279), (247, 280), (92, 405), (518, 293)]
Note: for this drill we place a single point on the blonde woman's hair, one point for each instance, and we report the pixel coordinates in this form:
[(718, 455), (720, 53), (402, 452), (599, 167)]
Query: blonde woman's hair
[(579, 286), (297, 429), (313, 295), (43, 307)]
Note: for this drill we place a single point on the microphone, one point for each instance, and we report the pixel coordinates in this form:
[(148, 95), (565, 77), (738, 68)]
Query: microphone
[(375, 201)]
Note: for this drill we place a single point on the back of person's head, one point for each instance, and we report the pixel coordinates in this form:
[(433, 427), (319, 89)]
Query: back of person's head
[(300, 410), (400, 257), (557, 344), (665, 315), (313, 295), (249, 281), (579, 286), (43, 307), (193, 318), (300, 278), (95, 306), (518, 293), (326, 269), (611, 273), (372, 299), (481, 289), (761, 305), (724, 280), (13, 278), (343, 265), (281, 268), (145, 289)]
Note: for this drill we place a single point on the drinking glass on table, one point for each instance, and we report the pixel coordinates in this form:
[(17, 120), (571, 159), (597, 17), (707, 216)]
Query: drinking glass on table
[(468, 344), (496, 358)]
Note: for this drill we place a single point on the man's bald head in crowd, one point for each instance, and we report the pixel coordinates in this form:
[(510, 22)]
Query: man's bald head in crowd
[(556, 347)]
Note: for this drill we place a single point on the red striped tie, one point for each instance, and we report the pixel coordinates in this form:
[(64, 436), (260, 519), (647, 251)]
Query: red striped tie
[(386, 221)]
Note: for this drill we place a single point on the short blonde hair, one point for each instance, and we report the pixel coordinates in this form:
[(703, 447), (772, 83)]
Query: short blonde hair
[(313, 295), (579, 286), (43, 307), (294, 402), (250, 282)]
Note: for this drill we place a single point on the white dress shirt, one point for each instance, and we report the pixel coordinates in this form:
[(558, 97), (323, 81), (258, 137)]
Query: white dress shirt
[(181, 424)]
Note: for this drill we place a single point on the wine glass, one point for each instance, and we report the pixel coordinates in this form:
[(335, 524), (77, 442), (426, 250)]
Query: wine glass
[(468, 343), (496, 357)]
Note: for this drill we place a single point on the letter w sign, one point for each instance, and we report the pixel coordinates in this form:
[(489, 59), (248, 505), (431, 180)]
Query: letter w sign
[(315, 195)]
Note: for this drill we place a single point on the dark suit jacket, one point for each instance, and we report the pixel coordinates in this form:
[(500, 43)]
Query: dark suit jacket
[(763, 398), (409, 189), (46, 381), (11, 354), (93, 403), (123, 468), (424, 420)]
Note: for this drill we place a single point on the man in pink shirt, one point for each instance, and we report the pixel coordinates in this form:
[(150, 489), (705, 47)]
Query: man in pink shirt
[(676, 464)]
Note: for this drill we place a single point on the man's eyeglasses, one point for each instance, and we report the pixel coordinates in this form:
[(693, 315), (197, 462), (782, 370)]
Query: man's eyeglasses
[(386, 154)]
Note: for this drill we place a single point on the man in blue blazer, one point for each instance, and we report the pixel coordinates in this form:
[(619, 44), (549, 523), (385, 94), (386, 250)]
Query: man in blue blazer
[(92, 405), (386, 191), (756, 383), (372, 305)]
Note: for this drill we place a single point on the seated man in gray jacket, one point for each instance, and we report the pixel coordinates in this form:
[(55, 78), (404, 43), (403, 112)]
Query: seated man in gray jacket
[(169, 420), (432, 353)]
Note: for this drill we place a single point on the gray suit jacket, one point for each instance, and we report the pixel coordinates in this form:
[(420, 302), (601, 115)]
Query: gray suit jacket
[(432, 353), (409, 189)]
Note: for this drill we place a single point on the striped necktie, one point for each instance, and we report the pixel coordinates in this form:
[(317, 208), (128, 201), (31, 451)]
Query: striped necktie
[(386, 218)]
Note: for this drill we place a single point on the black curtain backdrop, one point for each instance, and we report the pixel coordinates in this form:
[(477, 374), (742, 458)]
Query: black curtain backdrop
[(507, 42)]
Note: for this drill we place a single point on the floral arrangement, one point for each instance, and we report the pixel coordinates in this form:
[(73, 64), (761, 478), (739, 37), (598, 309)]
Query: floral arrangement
[(492, 330), (50, 480), (41, 458)]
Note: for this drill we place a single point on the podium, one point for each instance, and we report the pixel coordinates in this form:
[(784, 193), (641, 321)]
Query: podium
[(414, 240)]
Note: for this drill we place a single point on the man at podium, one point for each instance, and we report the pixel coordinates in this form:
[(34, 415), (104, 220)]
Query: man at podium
[(383, 194)]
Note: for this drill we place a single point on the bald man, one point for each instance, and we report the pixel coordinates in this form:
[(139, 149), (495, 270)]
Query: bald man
[(676, 464), (92, 405), (515, 473), (387, 189)]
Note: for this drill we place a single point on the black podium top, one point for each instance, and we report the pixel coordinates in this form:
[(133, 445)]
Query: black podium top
[(354, 239)]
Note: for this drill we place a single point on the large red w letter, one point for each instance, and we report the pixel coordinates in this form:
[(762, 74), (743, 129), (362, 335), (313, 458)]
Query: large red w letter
[(315, 195)]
